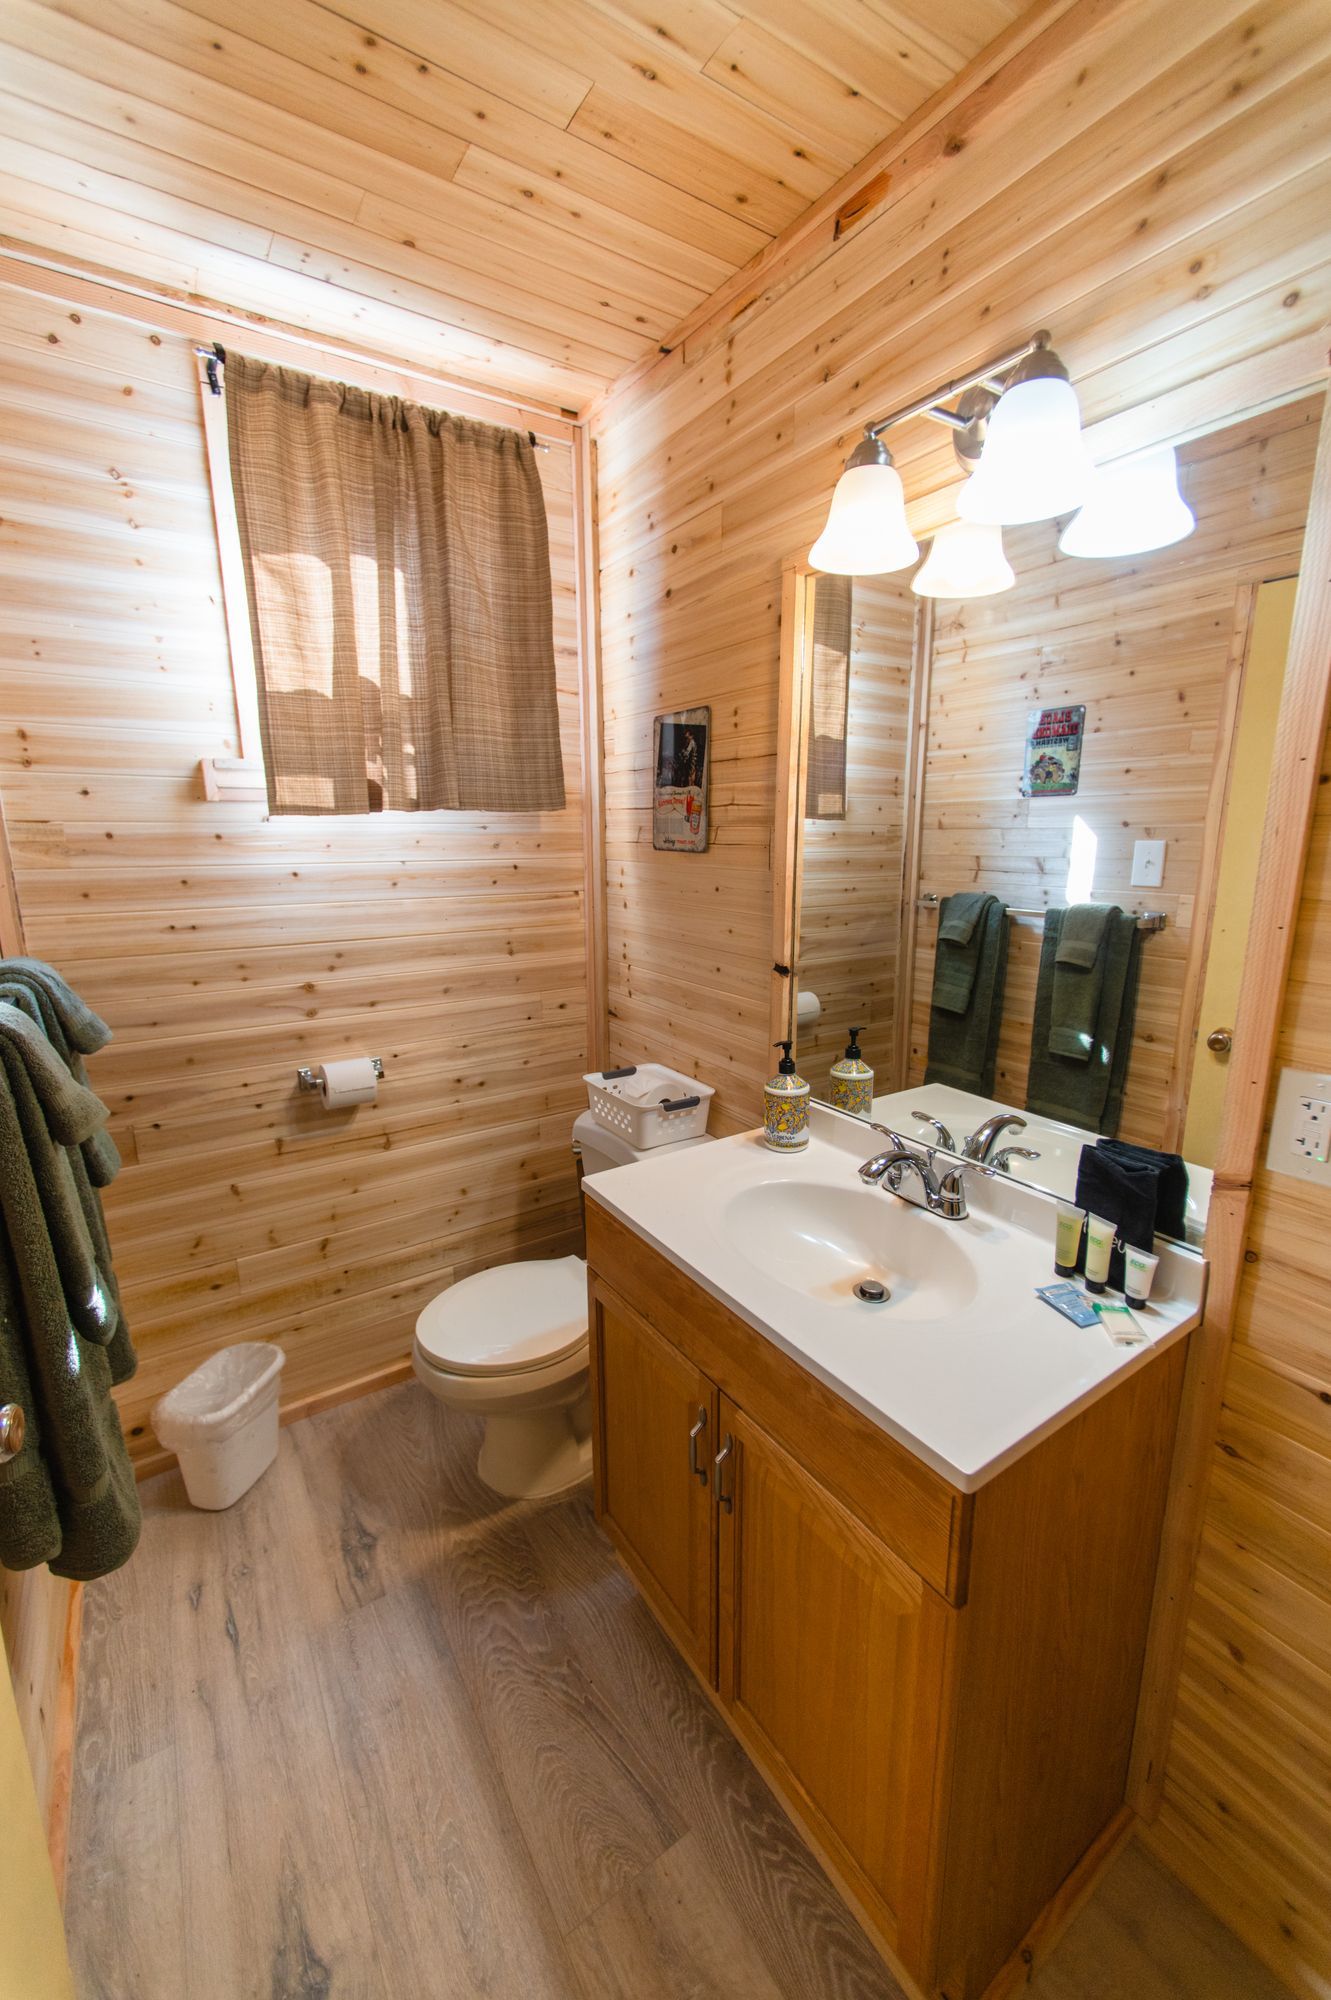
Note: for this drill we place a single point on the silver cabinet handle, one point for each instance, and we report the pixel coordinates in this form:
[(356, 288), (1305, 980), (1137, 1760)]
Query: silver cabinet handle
[(724, 1499), (1220, 1041), (696, 1467), (12, 1427)]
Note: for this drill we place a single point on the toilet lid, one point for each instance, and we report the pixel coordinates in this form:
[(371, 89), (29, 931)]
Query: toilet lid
[(510, 1317)]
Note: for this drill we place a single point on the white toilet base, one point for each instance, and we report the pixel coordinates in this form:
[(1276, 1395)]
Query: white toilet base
[(539, 1453)]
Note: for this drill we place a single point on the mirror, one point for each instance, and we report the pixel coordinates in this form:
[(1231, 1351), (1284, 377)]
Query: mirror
[(934, 755)]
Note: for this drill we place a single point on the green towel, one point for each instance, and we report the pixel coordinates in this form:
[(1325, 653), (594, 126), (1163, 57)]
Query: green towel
[(60, 1324), (1088, 1093), (74, 1031), (963, 1044), (957, 957), (1079, 969)]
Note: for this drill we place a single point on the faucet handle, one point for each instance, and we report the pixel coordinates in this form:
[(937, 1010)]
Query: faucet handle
[(952, 1190), (1003, 1161), (944, 1136)]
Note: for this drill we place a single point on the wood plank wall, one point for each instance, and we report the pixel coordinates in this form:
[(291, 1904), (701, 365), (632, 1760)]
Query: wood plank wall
[(850, 915), (1148, 644), (1246, 1819), (1152, 183), (227, 950), (35, 1636)]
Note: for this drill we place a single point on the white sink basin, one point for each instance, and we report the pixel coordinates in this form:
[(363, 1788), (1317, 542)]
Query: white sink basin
[(822, 1241)]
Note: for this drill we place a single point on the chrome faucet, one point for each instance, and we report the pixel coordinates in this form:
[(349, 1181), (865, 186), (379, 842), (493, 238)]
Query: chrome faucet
[(984, 1138), (1002, 1161), (944, 1193), (945, 1139)]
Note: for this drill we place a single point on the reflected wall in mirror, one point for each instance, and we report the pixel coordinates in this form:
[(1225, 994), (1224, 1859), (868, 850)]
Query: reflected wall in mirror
[(1178, 658)]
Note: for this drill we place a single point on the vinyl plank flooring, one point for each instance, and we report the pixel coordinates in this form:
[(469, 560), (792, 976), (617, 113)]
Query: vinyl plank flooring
[(374, 1734)]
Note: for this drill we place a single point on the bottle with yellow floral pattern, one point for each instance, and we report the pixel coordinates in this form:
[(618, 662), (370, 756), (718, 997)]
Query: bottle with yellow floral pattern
[(852, 1080), (786, 1106)]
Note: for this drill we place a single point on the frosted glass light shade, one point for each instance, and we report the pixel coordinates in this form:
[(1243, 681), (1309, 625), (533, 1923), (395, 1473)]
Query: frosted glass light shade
[(1034, 464), (966, 560), (866, 532), (1130, 508)]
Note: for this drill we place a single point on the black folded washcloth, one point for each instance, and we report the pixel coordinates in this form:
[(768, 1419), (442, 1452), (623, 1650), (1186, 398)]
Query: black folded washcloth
[(1171, 1214), (1124, 1192)]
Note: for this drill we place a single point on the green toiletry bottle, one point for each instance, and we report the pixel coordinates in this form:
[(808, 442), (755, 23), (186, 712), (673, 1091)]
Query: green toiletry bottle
[(786, 1106), (852, 1080)]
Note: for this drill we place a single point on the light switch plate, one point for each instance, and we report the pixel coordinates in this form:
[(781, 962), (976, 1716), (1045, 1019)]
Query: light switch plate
[(1148, 864), (1301, 1126)]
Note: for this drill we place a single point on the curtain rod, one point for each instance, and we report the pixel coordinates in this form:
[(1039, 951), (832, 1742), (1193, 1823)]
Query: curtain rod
[(214, 360)]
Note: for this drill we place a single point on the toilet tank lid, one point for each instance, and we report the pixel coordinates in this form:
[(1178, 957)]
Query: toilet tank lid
[(592, 1136), (510, 1317)]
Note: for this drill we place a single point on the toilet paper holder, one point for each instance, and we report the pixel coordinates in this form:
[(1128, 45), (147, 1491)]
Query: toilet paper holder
[(307, 1080)]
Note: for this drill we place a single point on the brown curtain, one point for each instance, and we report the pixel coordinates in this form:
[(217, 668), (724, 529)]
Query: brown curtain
[(398, 572), (829, 699)]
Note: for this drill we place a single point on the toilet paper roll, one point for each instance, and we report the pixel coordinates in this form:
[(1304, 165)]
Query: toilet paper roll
[(808, 1009), (351, 1081)]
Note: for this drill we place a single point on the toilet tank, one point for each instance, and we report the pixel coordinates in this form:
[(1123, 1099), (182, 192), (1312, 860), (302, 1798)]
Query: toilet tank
[(600, 1150)]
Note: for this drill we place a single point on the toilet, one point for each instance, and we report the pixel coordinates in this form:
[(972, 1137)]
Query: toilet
[(510, 1344)]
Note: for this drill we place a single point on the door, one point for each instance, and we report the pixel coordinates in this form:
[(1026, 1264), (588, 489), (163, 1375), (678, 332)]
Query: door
[(33, 1962), (654, 1447), (1236, 876), (831, 1659)]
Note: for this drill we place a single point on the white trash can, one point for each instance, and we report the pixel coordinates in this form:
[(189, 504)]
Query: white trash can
[(221, 1422)]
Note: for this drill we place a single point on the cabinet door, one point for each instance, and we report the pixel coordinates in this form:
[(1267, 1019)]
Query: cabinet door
[(832, 1662), (654, 1443)]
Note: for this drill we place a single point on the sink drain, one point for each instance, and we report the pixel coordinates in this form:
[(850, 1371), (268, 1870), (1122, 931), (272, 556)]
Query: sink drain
[(873, 1291)]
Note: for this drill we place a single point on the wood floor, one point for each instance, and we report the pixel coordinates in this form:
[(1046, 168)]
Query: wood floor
[(376, 1735)]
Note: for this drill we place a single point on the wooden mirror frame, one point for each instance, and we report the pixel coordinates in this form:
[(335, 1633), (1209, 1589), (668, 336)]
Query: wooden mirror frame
[(1301, 730)]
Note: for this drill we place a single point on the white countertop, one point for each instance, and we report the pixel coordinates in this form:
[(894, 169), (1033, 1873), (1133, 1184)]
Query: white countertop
[(965, 1366)]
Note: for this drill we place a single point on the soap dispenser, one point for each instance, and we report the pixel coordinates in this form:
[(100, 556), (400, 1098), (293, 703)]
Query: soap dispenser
[(786, 1106), (852, 1080)]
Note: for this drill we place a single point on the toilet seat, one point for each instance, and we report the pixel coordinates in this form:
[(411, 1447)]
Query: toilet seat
[(512, 1319)]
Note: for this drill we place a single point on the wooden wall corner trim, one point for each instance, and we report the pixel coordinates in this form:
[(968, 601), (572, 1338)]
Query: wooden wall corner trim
[(587, 558), (62, 1755), (11, 914), (1296, 765)]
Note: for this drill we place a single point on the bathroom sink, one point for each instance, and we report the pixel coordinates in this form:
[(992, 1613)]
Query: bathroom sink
[(822, 1242)]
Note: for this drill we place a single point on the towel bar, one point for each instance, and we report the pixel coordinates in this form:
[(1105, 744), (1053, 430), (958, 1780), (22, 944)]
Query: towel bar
[(1147, 920), (12, 1427)]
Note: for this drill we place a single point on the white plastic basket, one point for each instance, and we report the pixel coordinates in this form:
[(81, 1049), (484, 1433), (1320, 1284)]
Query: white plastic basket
[(221, 1422), (648, 1104)]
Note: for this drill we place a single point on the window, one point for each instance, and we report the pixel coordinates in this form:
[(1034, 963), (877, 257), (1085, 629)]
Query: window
[(395, 566)]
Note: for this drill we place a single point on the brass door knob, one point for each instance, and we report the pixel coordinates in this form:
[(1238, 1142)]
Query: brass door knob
[(1220, 1041), (12, 1427)]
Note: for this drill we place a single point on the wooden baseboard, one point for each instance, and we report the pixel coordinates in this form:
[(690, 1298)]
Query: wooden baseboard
[(149, 1463), (62, 1757)]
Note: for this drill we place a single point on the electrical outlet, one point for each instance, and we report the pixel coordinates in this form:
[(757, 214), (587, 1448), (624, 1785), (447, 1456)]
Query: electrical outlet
[(1301, 1126), (1311, 1131), (1148, 864)]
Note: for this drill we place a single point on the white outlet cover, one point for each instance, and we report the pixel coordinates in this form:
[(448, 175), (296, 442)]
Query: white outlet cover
[(1148, 864), (1301, 1126)]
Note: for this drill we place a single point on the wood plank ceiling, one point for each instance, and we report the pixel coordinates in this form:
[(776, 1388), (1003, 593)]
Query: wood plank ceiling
[(522, 193)]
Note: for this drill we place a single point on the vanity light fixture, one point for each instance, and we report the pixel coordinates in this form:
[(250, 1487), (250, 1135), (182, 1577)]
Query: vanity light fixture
[(866, 533), (1022, 398), (966, 560), (1035, 463), (1131, 506)]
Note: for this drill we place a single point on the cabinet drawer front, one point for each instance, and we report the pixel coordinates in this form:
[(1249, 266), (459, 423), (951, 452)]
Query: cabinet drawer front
[(901, 1500), (831, 1661), (653, 1446)]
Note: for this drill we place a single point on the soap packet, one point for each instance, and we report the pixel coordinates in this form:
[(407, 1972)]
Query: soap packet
[(1070, 1300), (1122, 1326)]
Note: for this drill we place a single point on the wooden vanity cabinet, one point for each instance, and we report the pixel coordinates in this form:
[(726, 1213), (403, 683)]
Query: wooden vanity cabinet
[(941, 1687)]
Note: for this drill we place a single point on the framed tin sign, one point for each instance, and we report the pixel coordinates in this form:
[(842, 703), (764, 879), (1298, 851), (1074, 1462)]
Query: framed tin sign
[(1052, 767), (679, 781)]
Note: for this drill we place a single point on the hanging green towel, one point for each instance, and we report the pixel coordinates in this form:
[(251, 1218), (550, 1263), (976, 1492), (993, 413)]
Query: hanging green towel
[(60, 1323), (957, 958), (73, 1031), (1087, 1091), (963, 1042), (1079, 970)]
